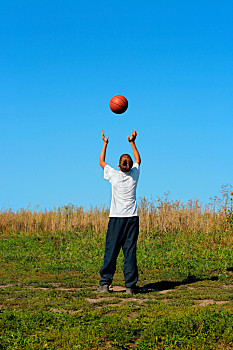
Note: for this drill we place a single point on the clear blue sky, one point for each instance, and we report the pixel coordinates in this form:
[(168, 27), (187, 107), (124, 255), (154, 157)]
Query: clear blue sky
[(62, 61)]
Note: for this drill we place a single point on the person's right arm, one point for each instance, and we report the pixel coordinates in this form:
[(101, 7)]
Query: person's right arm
[(135, 150)]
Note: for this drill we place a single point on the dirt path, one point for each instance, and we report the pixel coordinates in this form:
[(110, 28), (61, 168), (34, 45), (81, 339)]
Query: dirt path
[(116, 294)]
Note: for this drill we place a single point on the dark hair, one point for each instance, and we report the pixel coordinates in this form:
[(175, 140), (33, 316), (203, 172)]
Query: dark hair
[(125, 163)]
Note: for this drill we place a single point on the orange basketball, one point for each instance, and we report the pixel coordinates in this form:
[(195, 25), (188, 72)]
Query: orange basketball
[(118, 104)]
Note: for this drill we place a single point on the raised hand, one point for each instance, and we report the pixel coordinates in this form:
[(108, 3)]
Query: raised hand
[(133, 137), (105, 139)]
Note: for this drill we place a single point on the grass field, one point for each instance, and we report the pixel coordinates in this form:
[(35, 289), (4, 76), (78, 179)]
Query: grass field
[(48, 297)]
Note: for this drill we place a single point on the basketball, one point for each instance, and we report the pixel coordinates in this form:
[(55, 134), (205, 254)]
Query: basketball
[(118, 104)]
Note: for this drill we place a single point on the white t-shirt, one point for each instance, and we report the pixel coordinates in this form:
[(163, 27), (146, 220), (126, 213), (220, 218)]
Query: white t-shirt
[(123, 203)]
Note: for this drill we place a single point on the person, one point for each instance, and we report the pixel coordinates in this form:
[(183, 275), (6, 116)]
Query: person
[(123, 226)]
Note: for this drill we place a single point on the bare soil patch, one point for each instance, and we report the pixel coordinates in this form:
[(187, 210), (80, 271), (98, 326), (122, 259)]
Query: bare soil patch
[(165, 300), (118, 289), (71, 312), (206, 302), (165, 291), (7, 285), (228, 286), (97, 300)]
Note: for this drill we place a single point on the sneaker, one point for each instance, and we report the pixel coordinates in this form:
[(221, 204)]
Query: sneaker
[(103, 289), (132, 290)]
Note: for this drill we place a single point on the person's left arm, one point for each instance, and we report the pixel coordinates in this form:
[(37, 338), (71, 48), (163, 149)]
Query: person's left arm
[(135, 150), (103, 152)]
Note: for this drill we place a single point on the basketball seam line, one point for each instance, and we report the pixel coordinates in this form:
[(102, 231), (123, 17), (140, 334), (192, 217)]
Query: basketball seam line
[(118, 104), (122, 100)]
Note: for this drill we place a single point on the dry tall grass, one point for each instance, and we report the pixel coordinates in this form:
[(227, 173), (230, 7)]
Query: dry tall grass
[(161, 215)]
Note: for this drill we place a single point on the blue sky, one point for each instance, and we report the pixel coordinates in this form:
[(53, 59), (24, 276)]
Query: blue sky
[(62, 61)]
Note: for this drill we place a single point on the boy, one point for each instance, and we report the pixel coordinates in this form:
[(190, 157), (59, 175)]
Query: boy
[(123, 226)]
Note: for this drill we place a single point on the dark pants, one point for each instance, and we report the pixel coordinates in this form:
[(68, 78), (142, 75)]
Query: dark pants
[(122, 232)]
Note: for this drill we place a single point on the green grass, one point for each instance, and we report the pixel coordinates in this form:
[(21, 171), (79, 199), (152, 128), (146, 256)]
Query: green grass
[(48, 293)]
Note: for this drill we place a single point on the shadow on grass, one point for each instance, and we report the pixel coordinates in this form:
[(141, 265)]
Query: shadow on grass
[(168, 285), (230, 269)]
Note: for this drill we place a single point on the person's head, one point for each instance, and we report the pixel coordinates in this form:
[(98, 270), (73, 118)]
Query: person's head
[(125, 163)]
